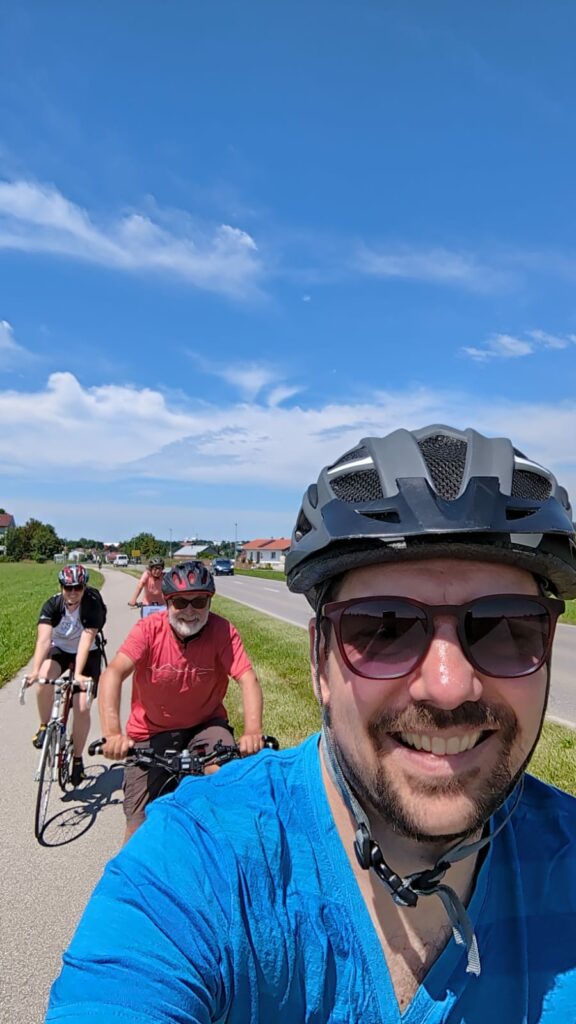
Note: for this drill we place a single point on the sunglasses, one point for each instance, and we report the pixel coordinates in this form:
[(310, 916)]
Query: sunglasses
[(72, 586), (182, 602), (505, 636)]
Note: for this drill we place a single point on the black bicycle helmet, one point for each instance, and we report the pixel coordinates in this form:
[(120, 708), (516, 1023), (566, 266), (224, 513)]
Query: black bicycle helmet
[(187, 577), (156, 562), (430, 493)]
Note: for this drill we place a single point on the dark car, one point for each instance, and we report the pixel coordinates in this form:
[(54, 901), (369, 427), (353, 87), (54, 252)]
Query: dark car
[(223, 567)]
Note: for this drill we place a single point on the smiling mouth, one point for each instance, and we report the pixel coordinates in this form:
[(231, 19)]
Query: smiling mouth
[(441, 745)]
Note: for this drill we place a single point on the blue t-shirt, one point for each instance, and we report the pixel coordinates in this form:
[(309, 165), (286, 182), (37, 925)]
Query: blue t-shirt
[(235, 902)]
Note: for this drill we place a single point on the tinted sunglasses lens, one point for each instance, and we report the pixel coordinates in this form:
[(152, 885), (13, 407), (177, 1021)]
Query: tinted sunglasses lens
[(383, 639), (72, 586), (182, 602), (507, 636)]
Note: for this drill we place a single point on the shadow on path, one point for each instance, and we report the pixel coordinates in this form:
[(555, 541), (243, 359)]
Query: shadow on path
[(102, 788)]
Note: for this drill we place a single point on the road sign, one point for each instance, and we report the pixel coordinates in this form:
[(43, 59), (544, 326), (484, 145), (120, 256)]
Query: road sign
[(135, 554)]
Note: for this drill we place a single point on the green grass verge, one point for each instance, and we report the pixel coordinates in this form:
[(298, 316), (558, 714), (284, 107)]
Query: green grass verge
[(24, 586), (570, 613), (279, 652)]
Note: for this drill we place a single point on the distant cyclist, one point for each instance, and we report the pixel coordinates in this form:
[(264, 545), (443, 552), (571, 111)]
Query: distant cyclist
[(182, 660), (150, 587), (68, 629)]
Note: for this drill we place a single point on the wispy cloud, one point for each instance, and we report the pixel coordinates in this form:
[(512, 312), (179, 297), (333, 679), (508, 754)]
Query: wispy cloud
[(509, 346), (86, 430), (37, 218), (432, 265), (11, 353), (251, 381)]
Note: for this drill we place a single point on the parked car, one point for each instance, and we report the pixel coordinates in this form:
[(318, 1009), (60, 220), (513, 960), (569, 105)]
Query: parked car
[(223, 567), (121, 560)]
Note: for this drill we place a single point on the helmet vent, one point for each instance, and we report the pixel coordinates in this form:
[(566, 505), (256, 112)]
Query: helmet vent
[(302, 526), (358, 487), (383, 517), (445, 458), (530, 485), (357, 453)]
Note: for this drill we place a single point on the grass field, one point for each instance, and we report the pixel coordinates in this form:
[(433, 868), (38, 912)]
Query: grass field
[(278, 650), (24, 586)]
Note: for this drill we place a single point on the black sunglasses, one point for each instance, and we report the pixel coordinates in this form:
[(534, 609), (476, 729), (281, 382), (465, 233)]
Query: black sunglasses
[(182, 602), (505, 635), (72, 586)]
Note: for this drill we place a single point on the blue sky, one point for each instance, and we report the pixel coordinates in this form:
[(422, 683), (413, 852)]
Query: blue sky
[(235, 237)]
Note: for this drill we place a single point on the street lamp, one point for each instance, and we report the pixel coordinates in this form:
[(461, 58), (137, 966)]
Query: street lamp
[(235, 539)]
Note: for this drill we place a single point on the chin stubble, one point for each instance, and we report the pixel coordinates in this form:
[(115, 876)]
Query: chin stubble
[(375, 789)]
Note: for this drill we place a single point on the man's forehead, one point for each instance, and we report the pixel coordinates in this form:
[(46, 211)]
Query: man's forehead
[(424, 576)]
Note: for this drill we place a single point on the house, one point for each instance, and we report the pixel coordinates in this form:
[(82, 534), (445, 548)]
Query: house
[(267, 553), (190, 550), (6, 523)]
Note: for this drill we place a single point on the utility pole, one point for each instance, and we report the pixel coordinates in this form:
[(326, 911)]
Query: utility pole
[(170, 542), (235, 540)]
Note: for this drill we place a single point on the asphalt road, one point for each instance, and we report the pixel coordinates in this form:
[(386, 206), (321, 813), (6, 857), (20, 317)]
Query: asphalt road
[(45, 888)]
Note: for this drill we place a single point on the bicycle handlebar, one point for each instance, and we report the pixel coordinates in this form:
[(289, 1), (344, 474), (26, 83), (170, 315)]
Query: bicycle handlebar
[(79, 686), (183, 762)]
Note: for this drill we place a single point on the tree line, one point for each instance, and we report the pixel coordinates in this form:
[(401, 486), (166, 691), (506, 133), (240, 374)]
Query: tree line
[(39, 541)]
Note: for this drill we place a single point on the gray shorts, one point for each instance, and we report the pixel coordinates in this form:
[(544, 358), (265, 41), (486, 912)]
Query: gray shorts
[(141, 785)]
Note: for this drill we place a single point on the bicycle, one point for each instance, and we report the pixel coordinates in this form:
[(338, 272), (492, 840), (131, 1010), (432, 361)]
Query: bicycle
[(56, 757), (180, 763), (147, 609)]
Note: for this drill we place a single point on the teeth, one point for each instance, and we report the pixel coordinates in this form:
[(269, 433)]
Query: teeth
[(440, 746)]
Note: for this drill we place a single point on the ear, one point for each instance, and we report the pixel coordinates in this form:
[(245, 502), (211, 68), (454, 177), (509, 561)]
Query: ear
[(319, 674)]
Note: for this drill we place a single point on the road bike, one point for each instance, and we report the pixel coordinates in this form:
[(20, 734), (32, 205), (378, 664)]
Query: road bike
[(57, 754), (180, 763)]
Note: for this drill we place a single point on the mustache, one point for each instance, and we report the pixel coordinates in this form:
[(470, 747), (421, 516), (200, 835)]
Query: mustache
[(419, 717)]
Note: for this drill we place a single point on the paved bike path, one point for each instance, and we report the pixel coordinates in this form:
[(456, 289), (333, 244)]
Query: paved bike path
[(44, 889)]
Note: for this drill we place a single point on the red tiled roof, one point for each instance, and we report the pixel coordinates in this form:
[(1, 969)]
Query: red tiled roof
[(272, 544), (6, 519)]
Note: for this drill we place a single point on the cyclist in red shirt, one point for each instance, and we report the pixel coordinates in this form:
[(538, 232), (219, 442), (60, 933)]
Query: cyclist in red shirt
[(182, 660)]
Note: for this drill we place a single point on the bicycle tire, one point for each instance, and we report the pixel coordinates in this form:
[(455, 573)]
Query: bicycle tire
[(45, 777), (65, 758)]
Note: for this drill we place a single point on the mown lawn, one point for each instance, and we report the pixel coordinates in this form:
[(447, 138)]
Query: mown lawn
[(24, 586), (570, 613)]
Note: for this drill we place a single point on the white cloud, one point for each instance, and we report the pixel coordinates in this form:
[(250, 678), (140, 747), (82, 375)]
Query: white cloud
[(434, 265), (11, 353), (250, 380), (507, 346), (121, 433), (38, 218)]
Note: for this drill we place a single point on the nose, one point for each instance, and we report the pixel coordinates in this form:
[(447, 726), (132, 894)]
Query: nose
[(445, 677)]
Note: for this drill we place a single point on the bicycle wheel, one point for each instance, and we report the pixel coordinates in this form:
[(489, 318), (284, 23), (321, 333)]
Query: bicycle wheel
[(65, 758), (45, 777)]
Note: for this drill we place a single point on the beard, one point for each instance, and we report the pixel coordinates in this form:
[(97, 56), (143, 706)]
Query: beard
[(374, 785), (184, 628)]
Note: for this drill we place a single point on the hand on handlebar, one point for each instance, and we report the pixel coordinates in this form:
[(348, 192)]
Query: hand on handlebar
[(117, 747), (250, 743)]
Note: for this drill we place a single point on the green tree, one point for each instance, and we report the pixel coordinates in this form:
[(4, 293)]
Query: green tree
[(145, 543), (33, 540)]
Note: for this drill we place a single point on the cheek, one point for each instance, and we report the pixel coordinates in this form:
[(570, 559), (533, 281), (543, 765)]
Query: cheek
[(527, 698)]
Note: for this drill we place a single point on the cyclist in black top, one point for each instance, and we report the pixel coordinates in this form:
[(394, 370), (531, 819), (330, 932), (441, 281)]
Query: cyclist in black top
[(68, 628)]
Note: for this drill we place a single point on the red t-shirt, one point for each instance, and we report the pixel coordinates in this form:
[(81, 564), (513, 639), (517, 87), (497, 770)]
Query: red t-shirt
[(178, 685)]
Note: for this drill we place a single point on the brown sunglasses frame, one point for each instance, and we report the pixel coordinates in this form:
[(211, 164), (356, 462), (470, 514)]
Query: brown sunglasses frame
[(334, 610)]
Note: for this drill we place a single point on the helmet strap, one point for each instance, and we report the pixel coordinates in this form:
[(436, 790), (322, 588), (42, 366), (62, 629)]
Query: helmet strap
[(406, 891)]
